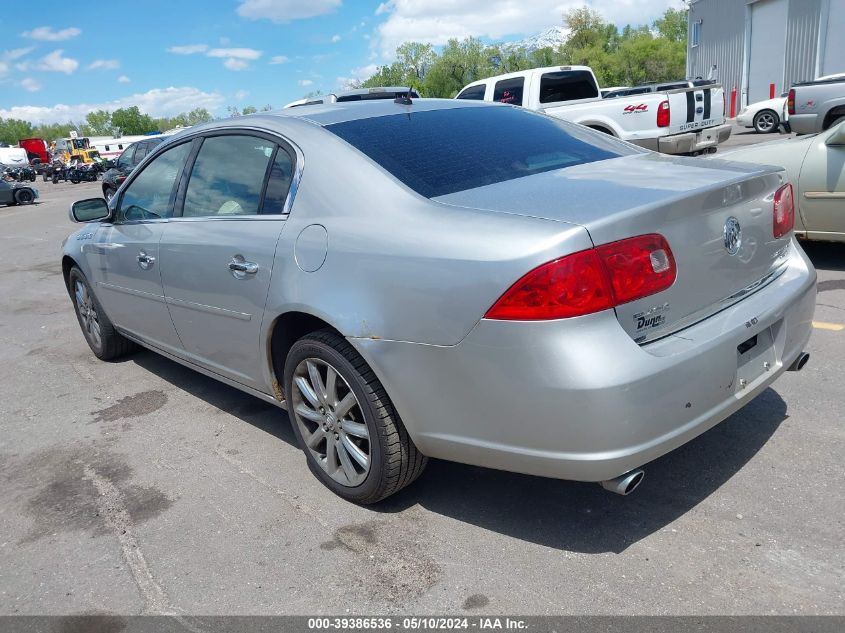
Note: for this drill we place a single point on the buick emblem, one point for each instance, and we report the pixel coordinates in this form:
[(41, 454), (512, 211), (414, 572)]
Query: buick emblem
[(733, 235)]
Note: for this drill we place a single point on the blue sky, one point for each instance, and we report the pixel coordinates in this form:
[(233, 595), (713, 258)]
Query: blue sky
[(59, 62)]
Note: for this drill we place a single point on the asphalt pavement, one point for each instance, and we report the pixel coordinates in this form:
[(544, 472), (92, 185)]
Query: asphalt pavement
[(140, 486)]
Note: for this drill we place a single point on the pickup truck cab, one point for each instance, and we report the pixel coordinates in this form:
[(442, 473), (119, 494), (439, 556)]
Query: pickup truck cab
[(684, 120), (815, 106)]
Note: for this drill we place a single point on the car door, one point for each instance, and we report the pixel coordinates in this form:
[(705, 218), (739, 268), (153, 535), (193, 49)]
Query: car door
[(822, 184), (217, 257), (124, 255)]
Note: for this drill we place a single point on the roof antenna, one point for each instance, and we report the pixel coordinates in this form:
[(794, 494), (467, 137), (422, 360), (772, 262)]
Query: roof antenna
[(404, 99)]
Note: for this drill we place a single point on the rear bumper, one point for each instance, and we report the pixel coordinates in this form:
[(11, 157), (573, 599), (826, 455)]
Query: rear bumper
[(804, 123), (689, 142), (577, 398)]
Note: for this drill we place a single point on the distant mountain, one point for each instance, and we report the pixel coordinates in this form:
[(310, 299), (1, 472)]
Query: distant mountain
[(550, 38)]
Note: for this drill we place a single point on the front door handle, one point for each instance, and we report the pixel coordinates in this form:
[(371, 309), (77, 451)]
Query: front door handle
[(145, 261), (240, 268)]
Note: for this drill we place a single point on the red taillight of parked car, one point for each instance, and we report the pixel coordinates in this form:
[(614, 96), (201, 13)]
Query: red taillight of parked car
[(589, 281), (783, 212), (663, 114), (790, 101), (638, 267)]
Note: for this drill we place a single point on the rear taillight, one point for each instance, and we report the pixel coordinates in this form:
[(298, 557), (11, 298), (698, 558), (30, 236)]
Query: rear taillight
[(724, 104), (790, 101), (783, 211), (589, 281), (638, 267), (663, 114)]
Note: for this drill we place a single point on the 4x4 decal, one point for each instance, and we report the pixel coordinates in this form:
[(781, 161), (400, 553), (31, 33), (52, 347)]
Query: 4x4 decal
[(642, 107)]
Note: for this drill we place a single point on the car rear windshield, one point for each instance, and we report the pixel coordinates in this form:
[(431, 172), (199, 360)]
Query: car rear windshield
[(439, 152), (567, 85)]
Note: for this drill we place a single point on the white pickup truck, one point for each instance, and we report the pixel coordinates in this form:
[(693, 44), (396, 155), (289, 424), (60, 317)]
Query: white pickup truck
[(687, 120)]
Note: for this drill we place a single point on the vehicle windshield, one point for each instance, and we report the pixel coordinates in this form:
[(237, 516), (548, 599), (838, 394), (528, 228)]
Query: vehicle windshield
[(439, 152)]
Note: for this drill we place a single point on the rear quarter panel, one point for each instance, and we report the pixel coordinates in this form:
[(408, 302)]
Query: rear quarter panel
[(399, 266)]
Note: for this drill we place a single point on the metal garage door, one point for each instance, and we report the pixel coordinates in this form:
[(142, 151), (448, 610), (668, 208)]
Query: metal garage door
[(768, 34), (834, 54)]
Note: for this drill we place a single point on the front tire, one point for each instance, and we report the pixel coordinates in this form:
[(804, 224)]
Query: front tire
[(344, 421), (24, 196), (100, 334), (766, 122)]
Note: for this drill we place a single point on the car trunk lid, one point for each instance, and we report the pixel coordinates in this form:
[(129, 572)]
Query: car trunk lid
[(687, 201)]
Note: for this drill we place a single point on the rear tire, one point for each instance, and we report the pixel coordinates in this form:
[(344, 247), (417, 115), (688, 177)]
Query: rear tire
[(766, 122), (24, 196), (105, 341), (368, 423)]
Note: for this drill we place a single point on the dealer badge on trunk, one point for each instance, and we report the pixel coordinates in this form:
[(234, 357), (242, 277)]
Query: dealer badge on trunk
[(733, 235)]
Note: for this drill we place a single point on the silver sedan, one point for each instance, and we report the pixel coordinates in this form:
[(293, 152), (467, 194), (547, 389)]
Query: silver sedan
[(450, 279)]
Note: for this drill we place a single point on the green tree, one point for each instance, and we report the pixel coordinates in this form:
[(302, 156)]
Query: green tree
[(391, 75), (414, 59), (98, 123), (673, 25), (266, 108), (249, 110), (132, 121), (12, 130)]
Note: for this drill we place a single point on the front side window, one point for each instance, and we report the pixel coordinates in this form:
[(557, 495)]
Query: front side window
[(228, 176), (567, 85), (474, 93), (509, 91), (149, 195)]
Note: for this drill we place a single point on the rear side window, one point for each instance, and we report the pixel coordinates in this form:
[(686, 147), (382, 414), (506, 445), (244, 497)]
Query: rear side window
[(475, 93), (140, 152), (228, 176), (281, 174), (439, 152), (567, 85), (509, 91)]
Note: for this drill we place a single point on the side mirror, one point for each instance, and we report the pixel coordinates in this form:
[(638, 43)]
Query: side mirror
[(838, 135), (89, 210)]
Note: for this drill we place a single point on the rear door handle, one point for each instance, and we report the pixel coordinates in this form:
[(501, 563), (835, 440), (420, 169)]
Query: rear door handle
[(242, 267)]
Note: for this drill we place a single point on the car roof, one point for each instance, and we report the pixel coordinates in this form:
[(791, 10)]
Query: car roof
[(328, 114)]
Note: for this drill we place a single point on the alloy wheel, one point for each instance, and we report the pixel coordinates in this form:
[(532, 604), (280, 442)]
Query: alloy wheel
[(87, 313), (765, 122), (331, 422)]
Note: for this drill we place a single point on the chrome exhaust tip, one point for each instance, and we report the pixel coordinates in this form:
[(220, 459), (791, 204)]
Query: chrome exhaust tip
[(798, 363), (624, 484)]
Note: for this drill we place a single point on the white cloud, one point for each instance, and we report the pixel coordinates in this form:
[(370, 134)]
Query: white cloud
[(156, 102), (234, 58), (235, 64), (236, 53), (104, 64), (188, 49), (31, 85), (436, 21), (278, 59), (305, 82), (336, 39), (285, 10), (123, 79), (47, 34), (240, 95), (7, 57), (55, 62)]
